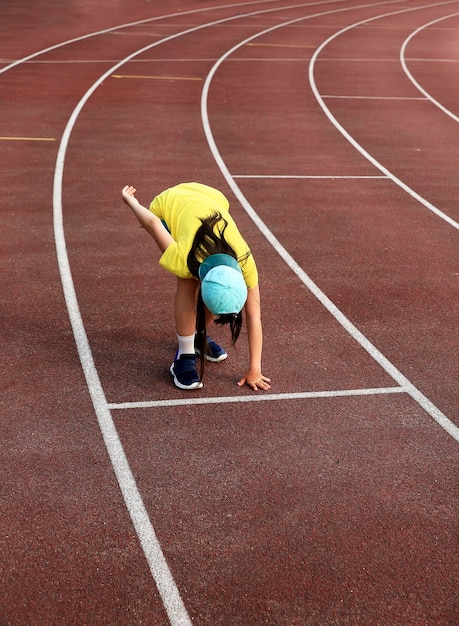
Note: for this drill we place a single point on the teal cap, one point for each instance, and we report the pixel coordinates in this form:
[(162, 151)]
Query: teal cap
[(223, 287)]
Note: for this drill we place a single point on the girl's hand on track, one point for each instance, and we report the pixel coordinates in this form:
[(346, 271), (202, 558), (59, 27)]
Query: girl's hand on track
[(256, 381)]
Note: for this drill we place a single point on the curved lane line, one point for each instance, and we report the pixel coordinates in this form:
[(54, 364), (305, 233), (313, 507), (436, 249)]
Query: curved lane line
[(411, 77), (411, 390), (145, 532), (128, 25), (349, 138)]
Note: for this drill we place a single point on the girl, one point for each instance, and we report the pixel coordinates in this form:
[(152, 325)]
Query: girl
[(216, 276)]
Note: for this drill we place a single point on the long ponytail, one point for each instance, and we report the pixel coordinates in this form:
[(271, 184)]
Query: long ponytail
[(234, 321), (201, 331)]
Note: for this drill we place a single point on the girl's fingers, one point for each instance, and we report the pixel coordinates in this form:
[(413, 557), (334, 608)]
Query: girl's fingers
[(255, 385), (263, 385), (129, 189)]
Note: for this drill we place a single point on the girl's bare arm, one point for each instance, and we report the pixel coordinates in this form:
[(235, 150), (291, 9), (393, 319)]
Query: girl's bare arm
[(147, 219), (253, 377)]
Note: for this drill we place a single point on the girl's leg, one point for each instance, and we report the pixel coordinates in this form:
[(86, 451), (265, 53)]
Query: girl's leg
[(185, 315), (183, 369), (185, 306)]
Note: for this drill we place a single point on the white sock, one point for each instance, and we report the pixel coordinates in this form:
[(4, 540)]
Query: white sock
[(185, 344)]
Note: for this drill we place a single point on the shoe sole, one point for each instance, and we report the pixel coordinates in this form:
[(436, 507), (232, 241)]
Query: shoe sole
[(220, 358), (177, 383)]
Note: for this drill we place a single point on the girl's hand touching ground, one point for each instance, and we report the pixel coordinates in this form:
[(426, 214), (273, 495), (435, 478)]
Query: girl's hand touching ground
[(256, 381)]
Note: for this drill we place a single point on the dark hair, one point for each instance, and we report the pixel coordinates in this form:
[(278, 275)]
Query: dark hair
[(207, 241)]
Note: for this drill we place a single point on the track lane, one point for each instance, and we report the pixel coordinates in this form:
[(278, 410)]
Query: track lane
[(127, 435), (449, 81), (438, 69), (363, 341), (358, 146)]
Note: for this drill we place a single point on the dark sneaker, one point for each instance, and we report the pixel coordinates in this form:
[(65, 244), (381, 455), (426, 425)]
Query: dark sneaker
[(184, 372), (214, 352)]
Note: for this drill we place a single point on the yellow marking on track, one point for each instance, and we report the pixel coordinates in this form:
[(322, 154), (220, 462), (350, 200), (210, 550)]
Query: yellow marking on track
[(27, 139), (156, 77), (276, 45)]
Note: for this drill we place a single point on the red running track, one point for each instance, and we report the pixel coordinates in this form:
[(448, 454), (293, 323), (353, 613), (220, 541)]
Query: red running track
[(333, 129)]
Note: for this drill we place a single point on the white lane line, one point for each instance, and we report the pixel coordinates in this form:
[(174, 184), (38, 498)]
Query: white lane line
[(307, 177), (159, 60), (134, 503), (331, 97), (409, 74), (265, 397), (421, 60), (233, 60), (383, 361), (379, 60), (428, 205)]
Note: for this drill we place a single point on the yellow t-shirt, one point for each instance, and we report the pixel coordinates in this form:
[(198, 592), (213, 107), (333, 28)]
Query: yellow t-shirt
[(182, 207)]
